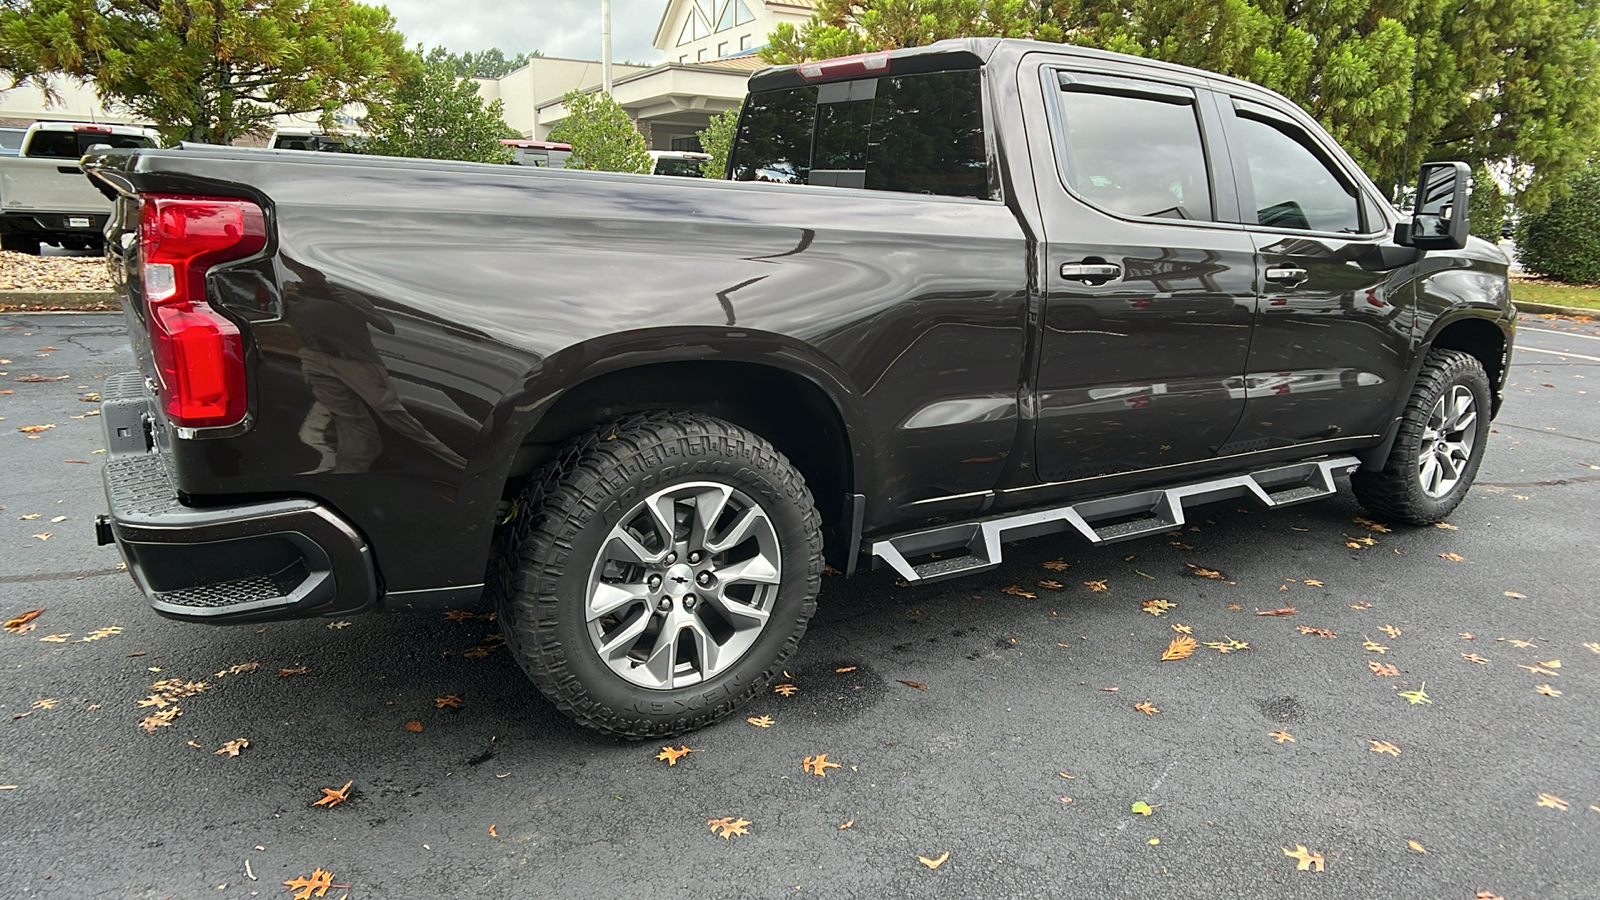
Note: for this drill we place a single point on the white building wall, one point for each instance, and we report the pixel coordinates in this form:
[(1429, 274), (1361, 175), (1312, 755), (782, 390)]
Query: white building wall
[(694, 31)]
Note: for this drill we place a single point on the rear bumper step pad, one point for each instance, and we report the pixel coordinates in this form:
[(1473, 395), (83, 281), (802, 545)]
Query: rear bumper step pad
[(1104, 520)]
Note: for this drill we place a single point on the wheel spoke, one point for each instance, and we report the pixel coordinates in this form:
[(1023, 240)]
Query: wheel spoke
[(756, 569), (1447, 465), (706, 649), (737, 609), (1430, 471), (626, 548), (747, 521), (606, 598), (663, 656), (617, 645), (708, 508)]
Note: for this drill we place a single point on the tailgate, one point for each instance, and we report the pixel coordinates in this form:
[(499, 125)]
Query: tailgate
[(43, 184)]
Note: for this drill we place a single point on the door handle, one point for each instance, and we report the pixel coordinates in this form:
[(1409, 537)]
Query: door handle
[(1288, 276), (1091, 273)]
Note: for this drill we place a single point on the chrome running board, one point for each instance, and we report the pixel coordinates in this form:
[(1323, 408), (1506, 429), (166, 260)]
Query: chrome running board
[(1102, 521)]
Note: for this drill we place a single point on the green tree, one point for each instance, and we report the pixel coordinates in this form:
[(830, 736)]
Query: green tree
[(1563, 242), (603, 139), (490, 63), (436, 114), (1398, 82), (212, 70), (717, 140)]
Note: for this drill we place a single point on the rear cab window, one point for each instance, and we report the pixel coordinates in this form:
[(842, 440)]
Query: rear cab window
[(919, 134), (74, 144)]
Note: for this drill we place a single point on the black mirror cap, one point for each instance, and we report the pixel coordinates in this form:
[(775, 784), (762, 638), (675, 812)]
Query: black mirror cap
[(1444, 191)]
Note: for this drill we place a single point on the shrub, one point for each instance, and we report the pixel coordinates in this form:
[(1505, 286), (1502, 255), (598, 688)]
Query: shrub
[(1563, 242)]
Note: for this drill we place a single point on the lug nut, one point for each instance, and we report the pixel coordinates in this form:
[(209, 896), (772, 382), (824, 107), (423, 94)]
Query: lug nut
[(705, 579), (689, 601), (655, 582), (672, 558), (664, 604), (694, 558)]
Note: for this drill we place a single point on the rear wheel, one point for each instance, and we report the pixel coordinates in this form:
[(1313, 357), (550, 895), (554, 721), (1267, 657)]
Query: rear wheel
[(1439, 447), (659, 573), (20, 243)]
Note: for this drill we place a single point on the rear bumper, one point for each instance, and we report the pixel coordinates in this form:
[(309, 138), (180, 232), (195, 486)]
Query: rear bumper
[(89, 226), (246, 562)]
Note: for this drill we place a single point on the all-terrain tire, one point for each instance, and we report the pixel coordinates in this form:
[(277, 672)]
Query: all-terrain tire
[(547, 552), (20, 243), (1397, 492)]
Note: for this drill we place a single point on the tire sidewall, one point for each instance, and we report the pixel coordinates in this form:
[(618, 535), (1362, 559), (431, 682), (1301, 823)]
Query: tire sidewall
[(561, 613)]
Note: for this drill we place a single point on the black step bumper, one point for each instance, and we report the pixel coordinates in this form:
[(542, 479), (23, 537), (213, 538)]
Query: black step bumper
[(246, 562)]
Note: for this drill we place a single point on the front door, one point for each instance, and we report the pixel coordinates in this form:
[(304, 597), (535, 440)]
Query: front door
[(1150, 293), (1333, 321)]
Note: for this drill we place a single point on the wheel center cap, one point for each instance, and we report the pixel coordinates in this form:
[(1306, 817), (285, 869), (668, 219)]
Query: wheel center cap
[(679, 580)]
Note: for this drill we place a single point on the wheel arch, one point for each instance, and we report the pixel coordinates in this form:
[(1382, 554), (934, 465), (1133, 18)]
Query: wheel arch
[(1479, 336)]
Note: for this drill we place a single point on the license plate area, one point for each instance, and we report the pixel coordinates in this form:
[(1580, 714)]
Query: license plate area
[(79, 222)]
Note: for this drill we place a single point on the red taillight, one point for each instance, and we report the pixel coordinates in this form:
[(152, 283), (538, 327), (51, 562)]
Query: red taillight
[(846, 66), (199, 354), (97, 129)]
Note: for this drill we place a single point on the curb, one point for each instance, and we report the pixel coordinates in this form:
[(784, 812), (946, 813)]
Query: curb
[(1548, 308), (40, 301)]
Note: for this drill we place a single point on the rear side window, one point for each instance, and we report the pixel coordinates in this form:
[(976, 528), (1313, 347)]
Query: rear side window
[(1134, 150), (911, 134), (1294, 186), (74, 144)]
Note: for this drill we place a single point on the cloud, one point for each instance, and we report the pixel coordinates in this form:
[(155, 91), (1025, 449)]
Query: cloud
[(569, 28)]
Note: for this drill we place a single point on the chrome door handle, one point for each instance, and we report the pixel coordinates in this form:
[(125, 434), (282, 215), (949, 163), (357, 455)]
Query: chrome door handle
[(1091, 273), (1288, 276)]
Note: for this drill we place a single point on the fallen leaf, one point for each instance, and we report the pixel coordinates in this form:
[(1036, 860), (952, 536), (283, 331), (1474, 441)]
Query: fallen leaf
[(1182, 647), (58, 519), (1383, 670), (30, 517), (1227, 646), (1453, 557), (1052, 585), (1016, 591), (1099, 587), (451, 700), (492, 832), (231, 748), (332, 797), (1549, 663), (844, 669), (1147, 708), (285, 673), (912, 684), (1553, 802), (1282, 736), (1372, 526), (1417, 696), (1390, 630), (1446, 526), (44, 536), (160, 719), (1384, 747), (340, 624), (787, 690), (671, 756), (414, 726), (760, 721), (1158, 606), (1201, 572), (1474, 658), (1373, 646), (1467, 636), (1516, 596), (101, 633), (1521, 645), (1594, 646), (1282, 611), (936, 862), (1181, 545), (45, 703), (319, 882), (1487, 895), (728, 826), (1141, 808), (1057, 565), (1312, 582), (1538, 670), (848, 825), (40, 379), (34, 429), (239, 669), (1416, 846), (15, 623), (1362, 605), (1319, 632), (818, 765), (1547, 690), (1181, 628), (1235, 606), (1305, 860), (56, 638)]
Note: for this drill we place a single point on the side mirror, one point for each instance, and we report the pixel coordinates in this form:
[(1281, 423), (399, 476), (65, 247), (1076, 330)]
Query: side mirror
[(1440, 219)]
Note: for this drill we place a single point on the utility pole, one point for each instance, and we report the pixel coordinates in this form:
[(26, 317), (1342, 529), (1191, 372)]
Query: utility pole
[(605, 45)]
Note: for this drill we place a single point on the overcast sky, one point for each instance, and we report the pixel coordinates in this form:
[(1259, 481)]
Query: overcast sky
[(568, 28)]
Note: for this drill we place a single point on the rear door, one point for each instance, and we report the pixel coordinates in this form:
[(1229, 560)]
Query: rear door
[(1150, 288), (1333, 319)]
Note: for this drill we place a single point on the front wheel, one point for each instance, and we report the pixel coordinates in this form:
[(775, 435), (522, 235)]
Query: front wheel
[(1439, 447), (659, 573)]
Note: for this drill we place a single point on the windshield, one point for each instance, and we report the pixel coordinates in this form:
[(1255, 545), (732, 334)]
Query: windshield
[(74, 144)]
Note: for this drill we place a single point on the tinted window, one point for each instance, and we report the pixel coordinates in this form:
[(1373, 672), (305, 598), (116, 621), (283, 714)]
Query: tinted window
[(1294, 186), (1136, 155), (74, 144), (688, 168), (912, 133)]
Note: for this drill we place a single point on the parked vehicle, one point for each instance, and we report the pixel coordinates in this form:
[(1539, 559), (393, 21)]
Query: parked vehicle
[(678, 162), (308, 139), (44, 198), (539, 154), (11, 141), (1014, 289)]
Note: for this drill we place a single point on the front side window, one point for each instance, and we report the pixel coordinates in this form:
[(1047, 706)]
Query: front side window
[(911, 134), (1134, 153), (1294, 186)]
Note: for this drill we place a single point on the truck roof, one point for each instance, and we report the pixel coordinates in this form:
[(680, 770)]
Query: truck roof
[(93, 128)]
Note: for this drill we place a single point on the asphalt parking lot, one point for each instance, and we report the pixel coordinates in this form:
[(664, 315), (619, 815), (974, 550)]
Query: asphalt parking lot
[(996, 731)]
